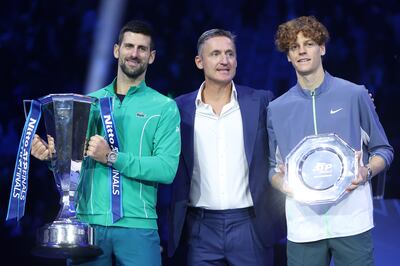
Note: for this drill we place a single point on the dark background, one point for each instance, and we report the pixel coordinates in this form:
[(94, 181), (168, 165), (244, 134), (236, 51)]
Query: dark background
[(46, 47)]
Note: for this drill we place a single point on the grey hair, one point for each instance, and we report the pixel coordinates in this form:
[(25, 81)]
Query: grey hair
[(211, 34)]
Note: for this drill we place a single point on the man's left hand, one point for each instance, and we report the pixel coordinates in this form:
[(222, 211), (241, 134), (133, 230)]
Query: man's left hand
[(361, 178), (98, 149)]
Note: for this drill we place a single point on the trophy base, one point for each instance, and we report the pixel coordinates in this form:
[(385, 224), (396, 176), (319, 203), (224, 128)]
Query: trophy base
[(66, 239), (66, 252)]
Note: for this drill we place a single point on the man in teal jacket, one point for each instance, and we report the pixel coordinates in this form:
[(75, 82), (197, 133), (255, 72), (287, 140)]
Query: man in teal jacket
[(147, 126)]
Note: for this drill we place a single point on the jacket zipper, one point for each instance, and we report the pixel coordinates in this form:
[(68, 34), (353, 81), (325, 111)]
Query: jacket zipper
[(314, 112), (325, 217)]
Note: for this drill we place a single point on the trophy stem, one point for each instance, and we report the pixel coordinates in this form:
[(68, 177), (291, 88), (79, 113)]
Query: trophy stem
[(67, 202)]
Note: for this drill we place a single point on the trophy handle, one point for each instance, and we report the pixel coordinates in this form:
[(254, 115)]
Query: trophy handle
[(26, 109)]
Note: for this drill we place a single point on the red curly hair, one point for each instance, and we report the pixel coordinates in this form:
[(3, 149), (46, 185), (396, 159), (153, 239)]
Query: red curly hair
[(308, 25)]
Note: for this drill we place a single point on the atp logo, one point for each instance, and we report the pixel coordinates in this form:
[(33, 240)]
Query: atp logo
[(323, 168)]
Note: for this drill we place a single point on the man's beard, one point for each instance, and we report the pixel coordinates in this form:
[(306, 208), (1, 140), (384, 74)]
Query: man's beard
[(134, 73)]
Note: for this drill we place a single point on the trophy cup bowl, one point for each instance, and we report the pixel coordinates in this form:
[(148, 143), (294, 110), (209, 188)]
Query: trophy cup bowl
[(320, 168), (66, 119)]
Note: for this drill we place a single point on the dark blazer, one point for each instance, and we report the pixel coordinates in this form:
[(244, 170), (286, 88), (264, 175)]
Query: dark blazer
[(269, 222)]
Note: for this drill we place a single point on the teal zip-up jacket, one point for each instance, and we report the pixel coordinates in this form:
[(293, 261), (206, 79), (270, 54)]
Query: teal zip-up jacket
[(148, 129)]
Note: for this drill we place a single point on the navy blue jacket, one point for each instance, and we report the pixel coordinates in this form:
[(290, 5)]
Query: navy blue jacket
[(269, 221)]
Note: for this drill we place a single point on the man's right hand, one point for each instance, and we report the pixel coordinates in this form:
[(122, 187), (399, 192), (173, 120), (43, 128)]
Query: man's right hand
[(42, 150), (279, 182)]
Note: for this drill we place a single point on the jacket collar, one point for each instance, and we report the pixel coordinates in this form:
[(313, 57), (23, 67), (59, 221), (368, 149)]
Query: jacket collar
[(133, 89), (325, 86)]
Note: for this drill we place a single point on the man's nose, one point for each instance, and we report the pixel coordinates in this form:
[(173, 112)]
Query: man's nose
[(224, 59), (302, 49), (134, 52)]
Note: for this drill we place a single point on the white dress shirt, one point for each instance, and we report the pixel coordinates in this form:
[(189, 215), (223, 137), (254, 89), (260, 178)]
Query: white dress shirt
[(220, 177)]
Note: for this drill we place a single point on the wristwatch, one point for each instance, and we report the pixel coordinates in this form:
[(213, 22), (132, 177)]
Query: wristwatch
[(111, 158), (369, 174)]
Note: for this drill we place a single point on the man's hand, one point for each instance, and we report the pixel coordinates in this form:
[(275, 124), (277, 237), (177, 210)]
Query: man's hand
[(361, 178), (98, 149), (372, 97), (42, 150), (279, 182)]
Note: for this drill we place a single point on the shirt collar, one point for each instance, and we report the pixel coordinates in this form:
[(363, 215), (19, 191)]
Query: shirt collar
[(200, 102), (142, 85)]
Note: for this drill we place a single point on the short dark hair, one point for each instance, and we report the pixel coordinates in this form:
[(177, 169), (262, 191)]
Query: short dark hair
[(138, 26), (308, 25), (211, 34)]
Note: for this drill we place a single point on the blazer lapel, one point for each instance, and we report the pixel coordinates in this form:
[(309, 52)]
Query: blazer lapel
[(188, 110), (249, 109)]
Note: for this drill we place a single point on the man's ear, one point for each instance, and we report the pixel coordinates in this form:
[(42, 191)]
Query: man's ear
[(322, 49), (152, 57), (288, 58), (198, 61), (116, 51)]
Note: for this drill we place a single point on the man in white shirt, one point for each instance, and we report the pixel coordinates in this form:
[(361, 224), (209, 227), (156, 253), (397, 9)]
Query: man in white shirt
[(221, 190)]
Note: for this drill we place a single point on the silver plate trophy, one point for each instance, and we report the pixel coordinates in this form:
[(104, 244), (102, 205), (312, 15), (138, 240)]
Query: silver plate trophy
[(320, 168), (66, 118)]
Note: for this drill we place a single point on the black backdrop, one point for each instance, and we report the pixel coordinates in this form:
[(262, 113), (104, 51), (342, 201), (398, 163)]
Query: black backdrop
[(45, 47)]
